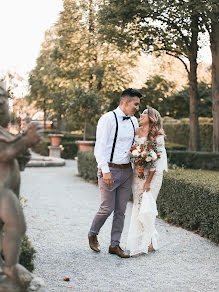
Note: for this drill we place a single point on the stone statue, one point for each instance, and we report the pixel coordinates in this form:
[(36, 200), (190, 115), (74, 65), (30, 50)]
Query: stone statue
[(13, 150)]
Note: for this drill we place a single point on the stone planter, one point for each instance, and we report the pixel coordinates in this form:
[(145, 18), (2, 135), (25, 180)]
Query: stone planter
[(55, 139), (85, 145)]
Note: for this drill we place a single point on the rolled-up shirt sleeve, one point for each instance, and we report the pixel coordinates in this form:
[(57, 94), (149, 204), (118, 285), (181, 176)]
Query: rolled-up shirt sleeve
[(102, 136)]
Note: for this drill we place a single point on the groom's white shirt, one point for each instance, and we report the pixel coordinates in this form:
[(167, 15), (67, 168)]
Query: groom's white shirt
[(105, 136)]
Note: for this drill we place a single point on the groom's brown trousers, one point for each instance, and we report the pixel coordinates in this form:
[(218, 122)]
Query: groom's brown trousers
[(115, 199)]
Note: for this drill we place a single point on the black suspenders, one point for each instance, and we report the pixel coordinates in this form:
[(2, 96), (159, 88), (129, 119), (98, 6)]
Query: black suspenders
[(114, 141), (115, 137)]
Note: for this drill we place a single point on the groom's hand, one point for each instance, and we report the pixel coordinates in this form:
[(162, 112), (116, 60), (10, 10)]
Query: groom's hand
[(108, 179)]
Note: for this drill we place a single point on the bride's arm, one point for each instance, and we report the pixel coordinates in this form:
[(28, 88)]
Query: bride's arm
[(160, 164), (146, 186)]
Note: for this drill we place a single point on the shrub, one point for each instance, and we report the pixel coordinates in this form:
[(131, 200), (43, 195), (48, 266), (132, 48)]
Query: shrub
[(195, 160), (177, 131), (41, 148), (70, 150), (174, 146), (87, 166), (191, 198), (27, 254)]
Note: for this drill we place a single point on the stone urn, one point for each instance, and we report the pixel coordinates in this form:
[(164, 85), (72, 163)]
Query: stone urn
[(55, 139), (85, 145)]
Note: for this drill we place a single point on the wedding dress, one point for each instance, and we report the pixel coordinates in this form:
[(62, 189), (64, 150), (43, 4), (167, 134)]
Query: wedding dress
[(142, 229)]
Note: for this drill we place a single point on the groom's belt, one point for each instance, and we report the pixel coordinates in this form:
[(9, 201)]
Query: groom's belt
[(119, 165)]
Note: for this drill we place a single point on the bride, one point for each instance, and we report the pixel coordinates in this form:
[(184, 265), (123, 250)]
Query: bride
[(142, 235)]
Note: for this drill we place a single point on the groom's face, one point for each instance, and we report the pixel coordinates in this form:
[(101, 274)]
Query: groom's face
[(131, 106)]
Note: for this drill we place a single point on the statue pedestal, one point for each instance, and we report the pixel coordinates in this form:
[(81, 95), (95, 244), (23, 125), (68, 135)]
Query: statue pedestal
[(36, 285), (55, 151)]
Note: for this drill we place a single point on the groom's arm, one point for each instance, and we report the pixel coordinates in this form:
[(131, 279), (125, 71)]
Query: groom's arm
[(102, 137)]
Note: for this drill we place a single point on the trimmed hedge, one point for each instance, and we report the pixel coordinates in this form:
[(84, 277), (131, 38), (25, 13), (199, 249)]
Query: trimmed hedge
[(27, 254), (177, 131), (194, 160), (191, 198), (87, 166), (41, 148), (188, 197), (174, 146), (69, 151)]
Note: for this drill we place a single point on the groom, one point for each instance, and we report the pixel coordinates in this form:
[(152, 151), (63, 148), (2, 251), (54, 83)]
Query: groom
[(114, 138)]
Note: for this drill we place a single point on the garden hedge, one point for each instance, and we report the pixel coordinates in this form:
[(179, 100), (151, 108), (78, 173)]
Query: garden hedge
[(188, 197), (177, 131), (194, 160), (191, 198), (27, 254), (69, 151), (87, 166)]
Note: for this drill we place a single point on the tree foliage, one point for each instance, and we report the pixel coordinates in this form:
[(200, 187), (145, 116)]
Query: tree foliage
[(170, 26), (76, 71), (162, 95)]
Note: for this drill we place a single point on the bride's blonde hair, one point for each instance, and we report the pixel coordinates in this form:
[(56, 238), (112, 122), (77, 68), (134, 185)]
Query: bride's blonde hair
[(156, 123)]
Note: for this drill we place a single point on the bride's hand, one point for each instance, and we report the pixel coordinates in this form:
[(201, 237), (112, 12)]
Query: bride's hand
[(146, 187)]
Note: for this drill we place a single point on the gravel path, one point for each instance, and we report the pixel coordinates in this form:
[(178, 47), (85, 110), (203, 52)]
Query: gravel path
[(59, 210)]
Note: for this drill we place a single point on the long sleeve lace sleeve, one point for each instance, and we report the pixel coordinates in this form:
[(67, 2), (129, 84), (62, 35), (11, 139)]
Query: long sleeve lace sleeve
[(161, 164)]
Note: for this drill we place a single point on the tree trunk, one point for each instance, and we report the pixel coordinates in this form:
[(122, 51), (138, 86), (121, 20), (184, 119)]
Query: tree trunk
[(44, 118), (59, 123), (214, 38), (194, 141), (85, 130)]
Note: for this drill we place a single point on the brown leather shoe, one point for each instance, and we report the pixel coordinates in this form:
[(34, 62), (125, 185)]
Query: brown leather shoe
[(93, 242), (118, 251)]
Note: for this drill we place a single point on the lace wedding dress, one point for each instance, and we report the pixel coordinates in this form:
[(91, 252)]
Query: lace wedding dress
[(142, 229)]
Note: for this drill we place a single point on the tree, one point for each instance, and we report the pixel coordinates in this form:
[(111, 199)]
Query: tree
[(170, 26), (178, 103), (210, 20), (45, 87), (85, 107), (75, 64), (156, 94)]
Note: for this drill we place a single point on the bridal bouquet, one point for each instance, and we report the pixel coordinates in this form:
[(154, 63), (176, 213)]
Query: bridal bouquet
[(144, 155)]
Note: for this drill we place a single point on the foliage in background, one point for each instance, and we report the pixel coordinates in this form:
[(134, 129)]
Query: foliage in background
[(76, 70), (177, 131), (166, 26), (194, 160), (178, 103), (156, 94), (27, 254), (87, 165)]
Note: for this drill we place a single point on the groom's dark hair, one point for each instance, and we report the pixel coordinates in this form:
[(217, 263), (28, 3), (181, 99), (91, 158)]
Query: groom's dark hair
[(130, 93)]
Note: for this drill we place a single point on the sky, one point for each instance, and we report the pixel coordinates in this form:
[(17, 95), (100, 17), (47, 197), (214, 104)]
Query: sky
[(23, 24)]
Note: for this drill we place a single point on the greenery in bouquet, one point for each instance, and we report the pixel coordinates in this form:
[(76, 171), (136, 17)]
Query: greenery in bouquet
[(143, 155)]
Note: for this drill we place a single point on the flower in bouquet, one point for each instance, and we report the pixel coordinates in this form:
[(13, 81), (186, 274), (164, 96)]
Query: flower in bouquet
[(143, 155)]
